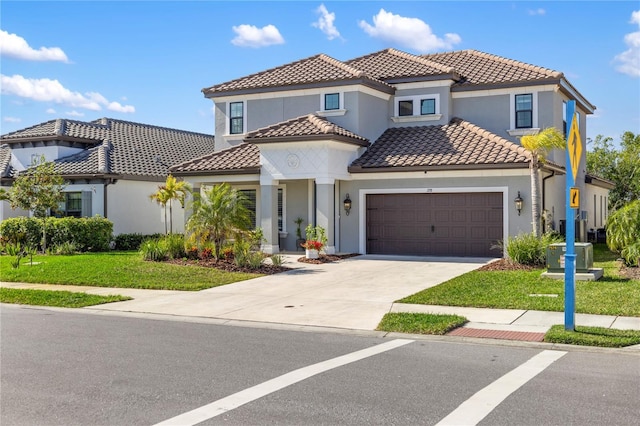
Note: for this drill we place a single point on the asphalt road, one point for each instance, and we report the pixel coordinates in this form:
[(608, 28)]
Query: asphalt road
[(78, 368)]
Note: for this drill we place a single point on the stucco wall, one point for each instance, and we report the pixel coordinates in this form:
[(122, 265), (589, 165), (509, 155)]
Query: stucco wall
[(131, 210)]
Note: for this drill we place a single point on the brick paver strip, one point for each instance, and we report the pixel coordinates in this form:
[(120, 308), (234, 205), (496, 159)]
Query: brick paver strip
[(498, 334)]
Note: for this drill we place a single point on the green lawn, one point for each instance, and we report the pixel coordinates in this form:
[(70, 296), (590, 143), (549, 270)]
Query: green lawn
[(116, 269), (611, 295), (63, 299), (416, 323)]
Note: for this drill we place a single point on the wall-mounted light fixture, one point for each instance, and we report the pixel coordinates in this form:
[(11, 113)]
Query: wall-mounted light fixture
[(518, 202), (347, 204)]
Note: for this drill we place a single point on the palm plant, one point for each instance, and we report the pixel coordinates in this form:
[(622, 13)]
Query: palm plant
[(220, 213), (161, 197), (540, 145), (172, 189)]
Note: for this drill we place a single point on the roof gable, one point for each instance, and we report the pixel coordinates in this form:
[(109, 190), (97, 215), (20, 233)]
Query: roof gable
[(458, 144), (242, 158), (392, 64), (313, 70), (305, 127)]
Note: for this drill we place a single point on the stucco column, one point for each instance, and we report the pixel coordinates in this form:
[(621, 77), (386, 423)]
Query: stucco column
[(269, 215), (325, 210)]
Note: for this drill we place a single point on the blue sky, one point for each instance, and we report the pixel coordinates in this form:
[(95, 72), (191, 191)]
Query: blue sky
[(147, 61)]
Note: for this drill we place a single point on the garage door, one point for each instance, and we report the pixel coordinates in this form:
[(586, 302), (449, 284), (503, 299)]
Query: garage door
[(455, 224)]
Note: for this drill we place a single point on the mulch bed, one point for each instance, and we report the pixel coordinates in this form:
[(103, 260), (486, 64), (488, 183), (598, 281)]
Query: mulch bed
[(327, 258), (631, 273), (229, 266), (505, 265)]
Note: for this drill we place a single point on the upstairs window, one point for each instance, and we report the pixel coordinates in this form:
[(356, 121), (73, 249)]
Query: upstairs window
[(427, 106), (417, 108), (236, 118), (331, 101), (405, 108), (524, 111)]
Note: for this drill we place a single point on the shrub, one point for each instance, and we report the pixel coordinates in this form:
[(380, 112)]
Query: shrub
[(526, 249), (631, 254), (174, 245), (87, 233), (277, 259), (129, 242), (66, 248), (15, 249), (623, 232), (153, 250)]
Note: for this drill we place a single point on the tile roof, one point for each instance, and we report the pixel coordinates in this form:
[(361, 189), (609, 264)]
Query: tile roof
[(306, 127), (479, 68), (6, 170), (315, 69), (392, 64), (118, 147), (458, 144), (468, 67), (244, 157)]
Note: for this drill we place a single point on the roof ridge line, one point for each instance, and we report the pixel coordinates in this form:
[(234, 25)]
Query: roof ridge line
[(492, 137), (548, 71), (346, 67), (420, 59)]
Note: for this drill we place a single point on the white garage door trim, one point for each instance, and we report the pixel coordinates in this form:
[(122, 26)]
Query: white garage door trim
[(362, 194)]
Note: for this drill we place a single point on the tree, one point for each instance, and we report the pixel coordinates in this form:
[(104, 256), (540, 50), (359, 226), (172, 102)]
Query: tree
[(222, 212), (621, 167), (38, 189), (540, 144), (171, 190), (161, 197)]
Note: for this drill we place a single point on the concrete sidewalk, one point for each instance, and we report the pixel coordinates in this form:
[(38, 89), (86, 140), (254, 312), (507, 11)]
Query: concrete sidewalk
[(353, 293)]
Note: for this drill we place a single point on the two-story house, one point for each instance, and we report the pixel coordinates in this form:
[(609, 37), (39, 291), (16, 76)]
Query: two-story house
[(391, 153), (111, 167)]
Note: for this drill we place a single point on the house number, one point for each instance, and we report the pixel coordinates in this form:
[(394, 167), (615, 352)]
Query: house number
[(293, 161)]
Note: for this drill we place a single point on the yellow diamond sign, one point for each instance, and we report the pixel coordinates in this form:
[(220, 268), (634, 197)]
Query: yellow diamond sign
[(574, 146)]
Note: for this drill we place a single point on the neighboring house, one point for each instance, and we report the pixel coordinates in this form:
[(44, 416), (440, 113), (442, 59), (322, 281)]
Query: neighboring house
[(111, 167), (425, 148)]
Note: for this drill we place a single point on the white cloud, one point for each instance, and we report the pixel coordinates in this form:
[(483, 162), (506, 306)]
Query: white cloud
[(47, 90), (50, 111), (408, 32), (251, 36), (11, 119), (74, 113), (535, 12), (325, 22), (116, 106), (629, 60), (14, 46)]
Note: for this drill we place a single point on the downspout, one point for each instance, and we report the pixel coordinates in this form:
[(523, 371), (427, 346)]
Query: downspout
[(544, 186)]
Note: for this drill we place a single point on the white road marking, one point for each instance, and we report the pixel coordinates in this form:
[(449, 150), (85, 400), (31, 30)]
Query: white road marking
[(476, 408), (251, 394)]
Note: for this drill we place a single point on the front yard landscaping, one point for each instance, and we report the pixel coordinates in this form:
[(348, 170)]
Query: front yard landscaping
[(614, 294), (118, 269)]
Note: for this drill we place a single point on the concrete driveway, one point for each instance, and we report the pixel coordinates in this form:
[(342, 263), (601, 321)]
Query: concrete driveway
[(353, 293)]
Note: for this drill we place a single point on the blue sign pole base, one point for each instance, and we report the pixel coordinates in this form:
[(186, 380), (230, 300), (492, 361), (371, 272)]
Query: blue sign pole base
[(569, 291)]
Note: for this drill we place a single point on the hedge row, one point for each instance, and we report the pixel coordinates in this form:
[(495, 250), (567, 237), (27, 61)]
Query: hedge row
[(87, 233)]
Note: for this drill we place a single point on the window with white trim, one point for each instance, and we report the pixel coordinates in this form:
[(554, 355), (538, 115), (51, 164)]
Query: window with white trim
[(236, 118), (331, 101), (331, 104), (524, 111), (418, 107)]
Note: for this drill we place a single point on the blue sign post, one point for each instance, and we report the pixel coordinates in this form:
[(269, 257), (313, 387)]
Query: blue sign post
[(573, 155)]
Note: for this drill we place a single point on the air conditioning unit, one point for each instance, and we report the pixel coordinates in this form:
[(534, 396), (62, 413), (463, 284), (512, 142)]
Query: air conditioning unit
[(556, 253)]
